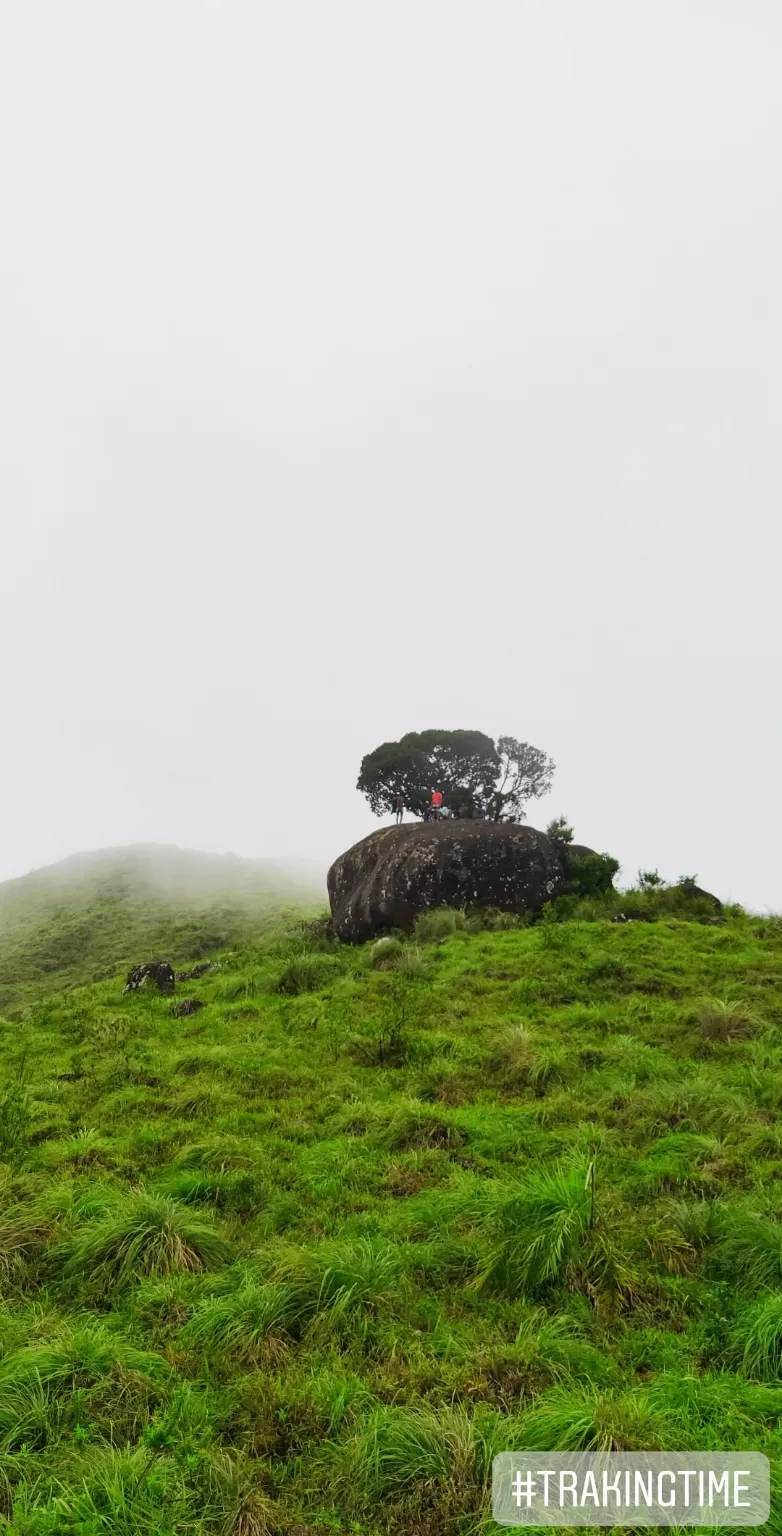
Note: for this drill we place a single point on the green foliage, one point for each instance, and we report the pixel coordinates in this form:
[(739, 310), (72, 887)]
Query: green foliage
[(649, 880), (749, 1251), (306, 1260), (463, 764), (15, 1119), (590, 874), (474, 774), (559, 830)]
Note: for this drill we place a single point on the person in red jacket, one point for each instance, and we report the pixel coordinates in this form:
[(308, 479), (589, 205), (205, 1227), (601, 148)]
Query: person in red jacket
[(437, 804)]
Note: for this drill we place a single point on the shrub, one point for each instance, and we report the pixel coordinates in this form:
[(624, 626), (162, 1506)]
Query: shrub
[(590, 874), (559, 831), (15, 1120), (649, 880), (552, 934), (236, 1189), (78, 1356), (496, 921), (400, 1448), (410, 962), (583, 1419), (512, 1049), (389, 1047)]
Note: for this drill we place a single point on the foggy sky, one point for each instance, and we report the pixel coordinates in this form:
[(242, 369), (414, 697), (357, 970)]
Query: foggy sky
[(372, 365)]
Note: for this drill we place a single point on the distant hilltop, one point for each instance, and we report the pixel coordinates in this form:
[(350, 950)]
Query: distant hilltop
[(162, 870), (94, 913)]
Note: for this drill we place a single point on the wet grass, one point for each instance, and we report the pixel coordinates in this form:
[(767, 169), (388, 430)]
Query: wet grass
[(307, 1260)]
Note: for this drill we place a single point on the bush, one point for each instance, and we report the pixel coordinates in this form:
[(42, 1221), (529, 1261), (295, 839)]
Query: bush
[(650, 880), (590, 874), (559, 831), (415, 1124), (552, 934)]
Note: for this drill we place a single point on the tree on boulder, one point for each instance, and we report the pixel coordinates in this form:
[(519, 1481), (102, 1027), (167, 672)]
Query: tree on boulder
[(477, 776), (525, 773)]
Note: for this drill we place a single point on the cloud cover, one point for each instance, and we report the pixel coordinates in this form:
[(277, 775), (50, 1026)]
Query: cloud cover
[(377, 365)]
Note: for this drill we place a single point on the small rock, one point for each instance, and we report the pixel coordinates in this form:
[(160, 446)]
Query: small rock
[(158, 973), (198, 970), (187, 1006)]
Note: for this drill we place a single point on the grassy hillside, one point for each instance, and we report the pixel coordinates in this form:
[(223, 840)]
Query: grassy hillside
[(306, 1260), (93, 913)]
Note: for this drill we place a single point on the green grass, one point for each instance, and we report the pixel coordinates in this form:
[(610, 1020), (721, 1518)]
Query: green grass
[(306, 1260), (95, 914)]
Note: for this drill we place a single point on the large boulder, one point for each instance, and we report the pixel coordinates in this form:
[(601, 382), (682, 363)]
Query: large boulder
[(392, 875)]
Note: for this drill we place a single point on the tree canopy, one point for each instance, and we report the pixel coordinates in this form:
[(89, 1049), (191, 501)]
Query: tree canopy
[(477, 776)]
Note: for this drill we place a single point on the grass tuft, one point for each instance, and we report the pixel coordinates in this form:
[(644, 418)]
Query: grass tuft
[(150, 1235)]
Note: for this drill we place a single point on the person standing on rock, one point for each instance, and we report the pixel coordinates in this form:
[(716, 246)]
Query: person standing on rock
[(399, 809), (437, 804)]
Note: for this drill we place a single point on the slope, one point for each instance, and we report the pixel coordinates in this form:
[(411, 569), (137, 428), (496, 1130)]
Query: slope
[(94, 912), (306, 1260)]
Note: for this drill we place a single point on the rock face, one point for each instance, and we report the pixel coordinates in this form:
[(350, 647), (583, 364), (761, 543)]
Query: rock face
[(392, 875)]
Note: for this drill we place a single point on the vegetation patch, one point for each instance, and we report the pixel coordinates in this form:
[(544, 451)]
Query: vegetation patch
[(306, 1258)]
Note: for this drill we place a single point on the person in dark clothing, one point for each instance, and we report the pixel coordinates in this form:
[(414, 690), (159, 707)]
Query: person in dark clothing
[(399, 809)]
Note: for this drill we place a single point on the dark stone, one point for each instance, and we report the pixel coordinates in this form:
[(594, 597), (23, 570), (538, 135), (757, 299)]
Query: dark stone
[(386, 880), (157, 973), (198, 970), (187, 1006)]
